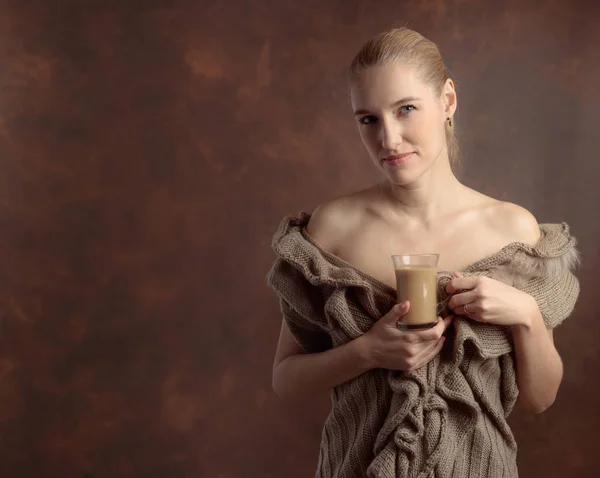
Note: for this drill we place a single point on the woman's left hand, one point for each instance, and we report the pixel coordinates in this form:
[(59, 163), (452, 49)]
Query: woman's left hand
[(490, 301)]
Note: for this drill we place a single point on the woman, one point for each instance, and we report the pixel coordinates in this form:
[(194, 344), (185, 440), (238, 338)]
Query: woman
[(429, 403)]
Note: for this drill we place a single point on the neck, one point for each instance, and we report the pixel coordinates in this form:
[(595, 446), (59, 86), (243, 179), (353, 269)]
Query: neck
[(428, 197)]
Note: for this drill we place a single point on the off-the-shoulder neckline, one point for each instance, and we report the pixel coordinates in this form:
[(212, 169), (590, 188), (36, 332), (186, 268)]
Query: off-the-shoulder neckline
[(474, 266)]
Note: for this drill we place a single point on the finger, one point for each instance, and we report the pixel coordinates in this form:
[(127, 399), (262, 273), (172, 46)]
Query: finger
[(461, 283), (457, 274), (425, 352), (458, 300), (472, 309), (397, 312), (427, 349), (448, 320), (430, 335), (429, 354)]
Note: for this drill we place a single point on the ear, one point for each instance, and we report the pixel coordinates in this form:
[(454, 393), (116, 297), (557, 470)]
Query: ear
[(449, 98)]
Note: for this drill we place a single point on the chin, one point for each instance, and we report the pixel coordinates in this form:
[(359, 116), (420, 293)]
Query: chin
[(403, 176), (401, 182)]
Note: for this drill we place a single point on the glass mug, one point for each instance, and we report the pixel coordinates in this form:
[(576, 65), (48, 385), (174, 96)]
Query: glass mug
[(417, 282)]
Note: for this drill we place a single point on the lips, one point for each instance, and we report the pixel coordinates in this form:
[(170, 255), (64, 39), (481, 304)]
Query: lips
[(398, 158)]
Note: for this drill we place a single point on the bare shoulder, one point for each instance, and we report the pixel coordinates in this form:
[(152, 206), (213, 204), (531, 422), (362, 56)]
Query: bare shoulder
[(333, 220), (516, 222)]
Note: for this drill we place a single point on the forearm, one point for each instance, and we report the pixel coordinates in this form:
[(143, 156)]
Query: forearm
[(307, 375), (539, 366)]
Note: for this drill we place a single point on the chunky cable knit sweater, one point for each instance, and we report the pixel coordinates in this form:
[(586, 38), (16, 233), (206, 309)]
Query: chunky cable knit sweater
[(446, 419)]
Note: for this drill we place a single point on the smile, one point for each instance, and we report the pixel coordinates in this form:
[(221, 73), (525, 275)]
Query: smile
[(398, 159)]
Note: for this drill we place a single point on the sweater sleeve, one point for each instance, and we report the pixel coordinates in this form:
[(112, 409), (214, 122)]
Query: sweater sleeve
[(311, 337), (555, 295), (302, 306)]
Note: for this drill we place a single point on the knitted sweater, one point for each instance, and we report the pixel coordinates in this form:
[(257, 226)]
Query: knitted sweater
[(447, 419)]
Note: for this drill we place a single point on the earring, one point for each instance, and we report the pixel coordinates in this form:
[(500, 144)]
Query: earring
[(450, 121)]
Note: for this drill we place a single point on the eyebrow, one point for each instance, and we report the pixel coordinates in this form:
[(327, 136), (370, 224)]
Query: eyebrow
[(408, 99)]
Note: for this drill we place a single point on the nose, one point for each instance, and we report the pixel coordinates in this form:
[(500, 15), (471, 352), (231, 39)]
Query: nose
[(391, 136)]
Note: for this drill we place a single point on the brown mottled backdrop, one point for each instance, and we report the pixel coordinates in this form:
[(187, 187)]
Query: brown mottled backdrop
[(148, 150)]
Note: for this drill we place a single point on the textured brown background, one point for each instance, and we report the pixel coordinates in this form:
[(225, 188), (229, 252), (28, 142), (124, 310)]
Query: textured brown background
[(148, 150)]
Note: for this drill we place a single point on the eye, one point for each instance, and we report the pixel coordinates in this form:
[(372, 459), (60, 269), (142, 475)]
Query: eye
[(406, 109), (366, 120)]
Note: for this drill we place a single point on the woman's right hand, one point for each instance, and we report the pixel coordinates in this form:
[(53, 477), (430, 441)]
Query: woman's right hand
[(395, 349)]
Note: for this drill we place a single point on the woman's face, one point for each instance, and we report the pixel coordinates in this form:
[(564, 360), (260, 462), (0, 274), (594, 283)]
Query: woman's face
[(401, 120)]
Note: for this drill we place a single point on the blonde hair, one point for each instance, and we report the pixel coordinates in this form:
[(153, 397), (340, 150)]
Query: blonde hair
[(405, 45)]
